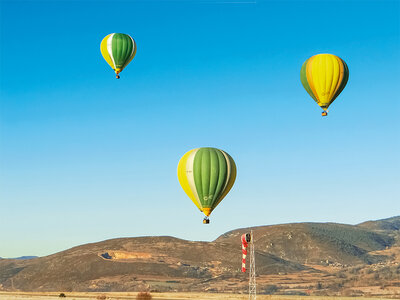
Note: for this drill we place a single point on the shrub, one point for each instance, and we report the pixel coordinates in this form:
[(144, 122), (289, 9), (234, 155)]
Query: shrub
[(341, 275), (369, 271), (62, 295), (335, 286), (144, 296), (355, 270), (295, 293), (352, 293), (270, 289)]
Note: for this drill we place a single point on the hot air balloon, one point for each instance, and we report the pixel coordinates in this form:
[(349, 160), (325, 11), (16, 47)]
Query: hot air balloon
[(118, 50), (206, 175), (324, 76)]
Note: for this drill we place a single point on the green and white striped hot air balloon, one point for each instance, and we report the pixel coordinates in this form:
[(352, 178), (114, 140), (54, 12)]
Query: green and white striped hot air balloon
[(118, 50), (206, 175)]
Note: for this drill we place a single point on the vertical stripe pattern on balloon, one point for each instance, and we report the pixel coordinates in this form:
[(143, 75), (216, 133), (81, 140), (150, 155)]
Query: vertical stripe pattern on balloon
[(324, 77), (206, 175), (118, 50)]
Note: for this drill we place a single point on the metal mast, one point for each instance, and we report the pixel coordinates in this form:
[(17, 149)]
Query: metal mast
[(252, 276)]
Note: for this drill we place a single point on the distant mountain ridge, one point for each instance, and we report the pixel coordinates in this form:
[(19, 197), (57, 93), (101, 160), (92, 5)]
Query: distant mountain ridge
[(170, 264), (21, 257), (389, 224)]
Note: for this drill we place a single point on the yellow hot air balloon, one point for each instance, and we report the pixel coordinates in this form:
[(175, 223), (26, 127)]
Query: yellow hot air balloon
[(324, 76)]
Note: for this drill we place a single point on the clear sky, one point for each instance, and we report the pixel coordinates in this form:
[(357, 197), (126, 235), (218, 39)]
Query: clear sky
[(85, 157)]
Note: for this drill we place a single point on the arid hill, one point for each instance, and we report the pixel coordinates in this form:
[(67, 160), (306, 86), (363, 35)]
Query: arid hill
[(298, 258), (390, 225), (316, 243)]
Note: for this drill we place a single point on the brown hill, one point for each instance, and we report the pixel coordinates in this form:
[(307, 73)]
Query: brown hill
[(82, 267), (390, 225), (304, 250), (316, 243)]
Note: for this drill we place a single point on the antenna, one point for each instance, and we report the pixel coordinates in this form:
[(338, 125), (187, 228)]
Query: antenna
[(252, 273)]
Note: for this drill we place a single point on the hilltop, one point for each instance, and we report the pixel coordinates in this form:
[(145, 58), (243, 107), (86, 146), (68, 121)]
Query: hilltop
[(318, 257), (388, 225)]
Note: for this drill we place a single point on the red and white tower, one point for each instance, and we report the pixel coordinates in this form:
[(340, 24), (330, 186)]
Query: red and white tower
[(246, 240)]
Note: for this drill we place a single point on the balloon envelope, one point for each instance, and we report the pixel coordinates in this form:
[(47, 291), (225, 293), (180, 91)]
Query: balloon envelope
[(206, 175), (324, 76), (118, 50)]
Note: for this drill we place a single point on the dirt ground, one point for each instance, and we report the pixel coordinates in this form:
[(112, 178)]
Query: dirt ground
[(161, 296)]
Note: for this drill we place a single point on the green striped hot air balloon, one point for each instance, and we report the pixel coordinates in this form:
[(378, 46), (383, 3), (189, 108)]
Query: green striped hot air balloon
[(206, 175), (118, 50)]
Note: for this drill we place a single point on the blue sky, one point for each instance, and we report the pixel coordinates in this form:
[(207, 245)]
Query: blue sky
[(85, 157)]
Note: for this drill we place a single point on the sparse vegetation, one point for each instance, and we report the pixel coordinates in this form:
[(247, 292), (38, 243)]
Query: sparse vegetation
[(341, 275), (295, 293), (270, 289), (144, 296), (101, 297)]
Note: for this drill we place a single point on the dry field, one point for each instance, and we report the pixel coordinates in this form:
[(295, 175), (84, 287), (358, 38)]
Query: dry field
[(162, 296)]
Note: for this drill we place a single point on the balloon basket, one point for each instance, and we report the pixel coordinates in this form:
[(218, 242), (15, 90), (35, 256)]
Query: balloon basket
[(206, 220)]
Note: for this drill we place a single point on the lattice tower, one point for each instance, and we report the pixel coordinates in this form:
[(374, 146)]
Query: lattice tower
[(252, 273)]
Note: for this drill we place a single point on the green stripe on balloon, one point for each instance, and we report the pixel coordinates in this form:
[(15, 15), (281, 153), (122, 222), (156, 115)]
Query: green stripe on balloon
[(222, 176), (122, 46), (304, 81), (210, 175), (214, 174)]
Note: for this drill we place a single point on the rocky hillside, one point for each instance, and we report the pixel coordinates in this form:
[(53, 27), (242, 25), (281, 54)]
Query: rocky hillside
[(389, 225), (301, 250), (316, 243)]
